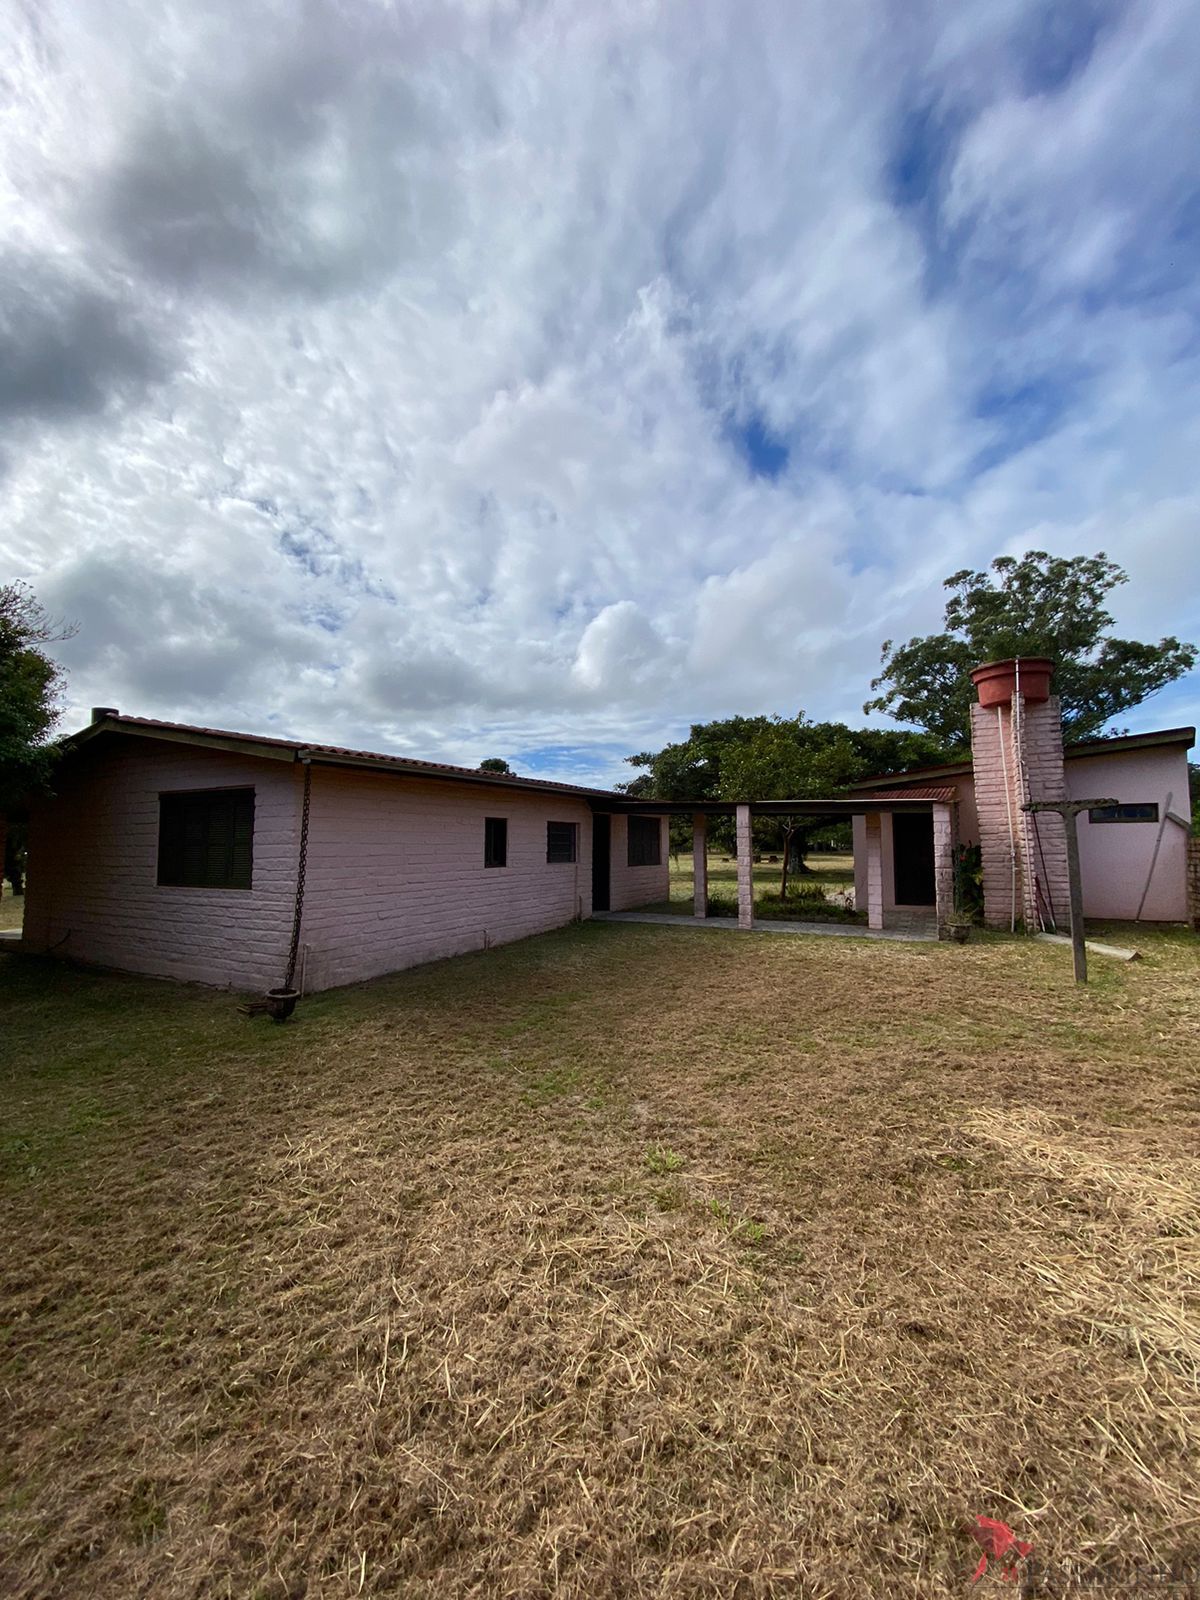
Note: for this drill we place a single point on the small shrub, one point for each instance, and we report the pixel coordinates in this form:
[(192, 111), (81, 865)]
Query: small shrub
[(721, 905), (968, 882)]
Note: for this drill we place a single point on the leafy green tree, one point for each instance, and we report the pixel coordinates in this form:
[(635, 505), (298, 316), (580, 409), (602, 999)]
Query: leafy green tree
[(1194, 787), (1041, 605), (494, 764), (791, 759), (30, 684)]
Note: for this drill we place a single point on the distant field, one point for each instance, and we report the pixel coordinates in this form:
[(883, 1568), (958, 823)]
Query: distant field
[(828, 876), (12, 907), (832, 870)]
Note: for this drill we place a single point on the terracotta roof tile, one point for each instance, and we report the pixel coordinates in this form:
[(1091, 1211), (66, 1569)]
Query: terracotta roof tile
[(917, 791), (384, 763)]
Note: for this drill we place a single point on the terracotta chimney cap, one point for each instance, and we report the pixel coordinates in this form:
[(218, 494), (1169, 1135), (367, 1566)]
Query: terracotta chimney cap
[(997, 681)]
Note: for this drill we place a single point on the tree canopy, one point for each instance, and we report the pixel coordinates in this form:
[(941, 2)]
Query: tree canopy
[(775, 758), (494, 764), (1041, 605), (30, 683)]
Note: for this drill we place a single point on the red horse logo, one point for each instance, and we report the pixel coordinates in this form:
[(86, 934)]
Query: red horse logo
[(1001, 1543)]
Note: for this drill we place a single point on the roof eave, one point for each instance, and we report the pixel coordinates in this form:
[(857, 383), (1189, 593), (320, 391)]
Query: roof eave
[(267, 750)]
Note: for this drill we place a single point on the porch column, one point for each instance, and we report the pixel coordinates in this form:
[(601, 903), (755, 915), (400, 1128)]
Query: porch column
[(699, 864), (745, 868), (874, 871), (943, 866)]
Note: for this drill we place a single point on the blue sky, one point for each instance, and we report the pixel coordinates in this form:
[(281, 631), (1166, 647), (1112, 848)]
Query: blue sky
[(533, 381)]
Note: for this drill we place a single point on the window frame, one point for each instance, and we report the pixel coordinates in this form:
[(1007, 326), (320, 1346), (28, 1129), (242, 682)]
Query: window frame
[(490, 853), (169, 874), (553, 860), (1097, 814), (639, 856)]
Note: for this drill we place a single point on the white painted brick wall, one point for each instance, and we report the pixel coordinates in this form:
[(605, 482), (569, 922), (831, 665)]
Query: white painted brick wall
[(395, 870), (638, 886), (93, 864), (396, 874)]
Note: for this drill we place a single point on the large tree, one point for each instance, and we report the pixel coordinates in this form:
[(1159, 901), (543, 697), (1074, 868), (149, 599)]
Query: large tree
[(29, 688), (1041, 605)]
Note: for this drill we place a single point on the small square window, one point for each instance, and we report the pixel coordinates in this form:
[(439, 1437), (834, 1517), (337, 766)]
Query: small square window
[(206, 839), (495, 841), (645, 842), (1142, 812), (561, 839)]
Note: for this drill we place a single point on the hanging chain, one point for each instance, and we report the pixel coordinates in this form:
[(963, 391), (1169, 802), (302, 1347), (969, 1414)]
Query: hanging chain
[(301, 871)]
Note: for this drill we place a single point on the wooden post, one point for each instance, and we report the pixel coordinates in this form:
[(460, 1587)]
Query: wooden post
[(1069, 811), (699, 864)]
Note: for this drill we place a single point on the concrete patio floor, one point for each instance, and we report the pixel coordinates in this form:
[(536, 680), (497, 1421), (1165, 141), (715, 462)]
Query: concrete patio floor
[(913, 933)]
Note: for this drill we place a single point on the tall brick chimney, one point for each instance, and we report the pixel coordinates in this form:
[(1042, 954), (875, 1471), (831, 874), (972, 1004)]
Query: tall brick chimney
[(1017, 753)]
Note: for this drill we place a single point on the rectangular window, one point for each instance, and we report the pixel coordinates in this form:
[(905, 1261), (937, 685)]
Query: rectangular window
[(645, 842), (1147, 812), (561, 841), (206, 839), (495, 841)]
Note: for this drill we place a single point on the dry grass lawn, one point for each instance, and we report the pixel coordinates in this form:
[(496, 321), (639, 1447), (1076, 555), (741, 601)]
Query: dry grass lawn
[(625, 1261)]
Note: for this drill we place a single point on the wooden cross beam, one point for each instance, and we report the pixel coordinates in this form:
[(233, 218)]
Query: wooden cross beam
[(1069, 810)]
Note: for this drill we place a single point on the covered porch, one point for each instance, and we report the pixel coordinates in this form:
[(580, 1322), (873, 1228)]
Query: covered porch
[(903, 852)]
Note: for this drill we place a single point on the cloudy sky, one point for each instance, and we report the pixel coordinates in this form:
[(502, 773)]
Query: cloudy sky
[(533, 379)]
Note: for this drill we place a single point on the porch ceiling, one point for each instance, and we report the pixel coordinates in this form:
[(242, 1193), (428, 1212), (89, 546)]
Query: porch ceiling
[(858, 806)]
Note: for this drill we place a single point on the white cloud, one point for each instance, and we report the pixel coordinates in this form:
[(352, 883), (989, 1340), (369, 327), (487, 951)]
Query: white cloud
[(397, 376)]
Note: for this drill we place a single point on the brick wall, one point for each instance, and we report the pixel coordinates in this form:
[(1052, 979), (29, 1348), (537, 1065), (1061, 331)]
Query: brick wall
[(395, 870), (92, 892), (1013, 764), (396, 874), (1194, 881), (637, 886)]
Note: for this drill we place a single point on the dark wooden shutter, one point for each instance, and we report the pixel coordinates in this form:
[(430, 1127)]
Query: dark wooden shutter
[(560, 841), (644, 842), (495, 841), (206, 839)]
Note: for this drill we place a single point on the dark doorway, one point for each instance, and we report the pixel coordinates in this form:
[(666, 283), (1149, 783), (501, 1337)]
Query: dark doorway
[(912, 858), (601, 856)]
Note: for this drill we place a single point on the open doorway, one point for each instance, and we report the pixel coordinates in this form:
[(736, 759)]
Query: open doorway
[(912, 859), (601, 861)]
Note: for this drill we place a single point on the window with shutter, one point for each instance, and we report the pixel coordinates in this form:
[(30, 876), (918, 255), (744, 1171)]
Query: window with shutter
[(561, 841), (206, 839), (645, 842), (495, 841)]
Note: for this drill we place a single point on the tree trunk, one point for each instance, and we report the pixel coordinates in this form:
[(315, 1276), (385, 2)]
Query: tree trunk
[(788, 833)]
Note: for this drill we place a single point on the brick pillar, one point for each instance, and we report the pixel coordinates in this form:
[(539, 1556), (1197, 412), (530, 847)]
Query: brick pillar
[(943, 865), (745, 868), (1193, 880), (699, 864), (874, 870), (1017, 756)]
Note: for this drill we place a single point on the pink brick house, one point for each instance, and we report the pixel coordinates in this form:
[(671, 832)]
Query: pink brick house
[(174, 850), (1133, 855)]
